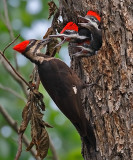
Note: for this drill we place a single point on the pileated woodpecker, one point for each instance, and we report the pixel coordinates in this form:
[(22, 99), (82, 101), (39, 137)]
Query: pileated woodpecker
[(92, 23), (72, 33), (62, 84)]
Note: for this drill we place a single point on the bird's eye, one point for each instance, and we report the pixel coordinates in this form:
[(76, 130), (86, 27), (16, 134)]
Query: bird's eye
[(66, 32), (99, 26), (93, 19)]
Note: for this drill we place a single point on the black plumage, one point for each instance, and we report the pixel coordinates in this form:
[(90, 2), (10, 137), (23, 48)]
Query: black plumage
[(64, 87)]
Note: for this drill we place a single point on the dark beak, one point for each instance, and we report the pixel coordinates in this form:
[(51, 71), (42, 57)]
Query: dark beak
[(46, 40), (84, 19)]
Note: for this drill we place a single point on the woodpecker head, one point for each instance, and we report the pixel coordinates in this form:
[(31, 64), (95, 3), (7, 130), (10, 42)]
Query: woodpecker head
[(31, 46), (68, 32), (91, 20)]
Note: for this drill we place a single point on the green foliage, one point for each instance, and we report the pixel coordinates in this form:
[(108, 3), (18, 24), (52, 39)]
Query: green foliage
[(64, 136)]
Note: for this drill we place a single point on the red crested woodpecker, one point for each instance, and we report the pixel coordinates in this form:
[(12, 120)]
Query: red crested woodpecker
[(62, 84), (72, 33), (92, 23)]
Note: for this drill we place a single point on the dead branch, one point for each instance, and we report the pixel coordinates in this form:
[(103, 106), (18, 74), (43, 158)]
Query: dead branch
[(20, 147)]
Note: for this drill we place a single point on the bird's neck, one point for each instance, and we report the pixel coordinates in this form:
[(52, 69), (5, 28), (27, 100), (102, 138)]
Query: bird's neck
[(37, 58), (96, 39), (31, 56)]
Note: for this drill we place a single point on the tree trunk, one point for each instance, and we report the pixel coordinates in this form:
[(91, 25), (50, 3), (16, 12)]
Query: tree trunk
[(107, 106)]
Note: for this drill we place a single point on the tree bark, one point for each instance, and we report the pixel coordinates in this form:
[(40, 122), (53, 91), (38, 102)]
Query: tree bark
[(108, 106)]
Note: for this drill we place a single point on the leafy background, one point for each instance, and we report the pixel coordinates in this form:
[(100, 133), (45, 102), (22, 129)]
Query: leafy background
[(29, 18)]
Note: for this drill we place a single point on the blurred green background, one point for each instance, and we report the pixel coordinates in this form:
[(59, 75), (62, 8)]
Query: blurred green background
[(29, 18)]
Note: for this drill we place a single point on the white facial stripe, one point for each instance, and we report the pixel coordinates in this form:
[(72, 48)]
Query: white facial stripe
[(58, 35), (71, 31), (75, 89), (81, 37), (76, 36), (94, 24), (71, 36)]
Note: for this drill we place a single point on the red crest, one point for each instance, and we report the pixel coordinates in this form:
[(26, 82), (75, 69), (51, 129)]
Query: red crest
[(21, 46), (70, 26), (92, 13)]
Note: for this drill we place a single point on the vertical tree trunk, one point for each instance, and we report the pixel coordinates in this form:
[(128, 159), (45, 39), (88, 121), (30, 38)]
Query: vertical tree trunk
[(107, 106)]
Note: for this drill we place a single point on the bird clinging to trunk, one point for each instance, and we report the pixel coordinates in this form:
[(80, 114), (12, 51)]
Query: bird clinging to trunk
[(62, 84), (92, 22)]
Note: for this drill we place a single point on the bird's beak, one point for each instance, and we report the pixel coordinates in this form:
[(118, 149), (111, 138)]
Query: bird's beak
[(83, 24), (84, 18), (58, 35), (62, 36), (46, 40), (81, 47)]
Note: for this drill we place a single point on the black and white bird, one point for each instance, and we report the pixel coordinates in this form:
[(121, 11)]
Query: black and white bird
[(62, 84)]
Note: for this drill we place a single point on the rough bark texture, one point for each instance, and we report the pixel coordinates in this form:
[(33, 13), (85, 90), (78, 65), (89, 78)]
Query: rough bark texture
[(108, 106)]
